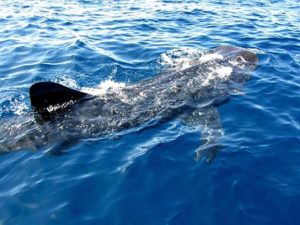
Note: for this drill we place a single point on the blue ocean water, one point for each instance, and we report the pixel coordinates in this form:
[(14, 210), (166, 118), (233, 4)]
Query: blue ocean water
[(151, 177)]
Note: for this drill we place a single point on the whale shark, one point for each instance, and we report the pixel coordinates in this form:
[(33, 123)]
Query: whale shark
[(62, 115)]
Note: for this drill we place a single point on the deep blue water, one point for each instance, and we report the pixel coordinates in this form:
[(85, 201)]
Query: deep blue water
[(151, 177)]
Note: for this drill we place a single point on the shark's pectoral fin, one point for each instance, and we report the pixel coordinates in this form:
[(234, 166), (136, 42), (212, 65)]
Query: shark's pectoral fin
[(208, 120), (48, 98), (210, 150)]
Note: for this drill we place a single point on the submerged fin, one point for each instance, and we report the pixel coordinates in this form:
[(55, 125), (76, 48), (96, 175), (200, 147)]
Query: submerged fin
[(44, 95), (208, 120)]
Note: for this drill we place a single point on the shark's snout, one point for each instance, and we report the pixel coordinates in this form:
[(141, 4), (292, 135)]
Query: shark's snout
[(240, 55), (248, 57), (241, 60)]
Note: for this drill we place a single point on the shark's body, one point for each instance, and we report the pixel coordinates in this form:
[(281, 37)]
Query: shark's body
[(191, 94)]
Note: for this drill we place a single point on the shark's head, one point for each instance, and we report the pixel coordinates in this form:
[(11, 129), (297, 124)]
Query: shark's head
[(242, 61)]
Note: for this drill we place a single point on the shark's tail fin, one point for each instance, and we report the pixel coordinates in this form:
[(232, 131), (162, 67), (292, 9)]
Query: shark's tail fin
[(48, 98)]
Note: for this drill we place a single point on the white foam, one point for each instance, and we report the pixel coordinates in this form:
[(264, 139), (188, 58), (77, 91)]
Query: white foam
[(67, 81), (179, 59), (183, 58), (18, 106), (210, 57), (104, 87), (221, 72)]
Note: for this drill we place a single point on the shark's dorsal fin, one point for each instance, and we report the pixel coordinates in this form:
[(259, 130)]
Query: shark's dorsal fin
[(44, 95)]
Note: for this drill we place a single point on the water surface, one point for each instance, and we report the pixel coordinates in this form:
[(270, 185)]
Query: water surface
[(151, 177)]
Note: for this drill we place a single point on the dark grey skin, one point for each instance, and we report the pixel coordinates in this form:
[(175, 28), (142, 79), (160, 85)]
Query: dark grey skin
[(192, 94)]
